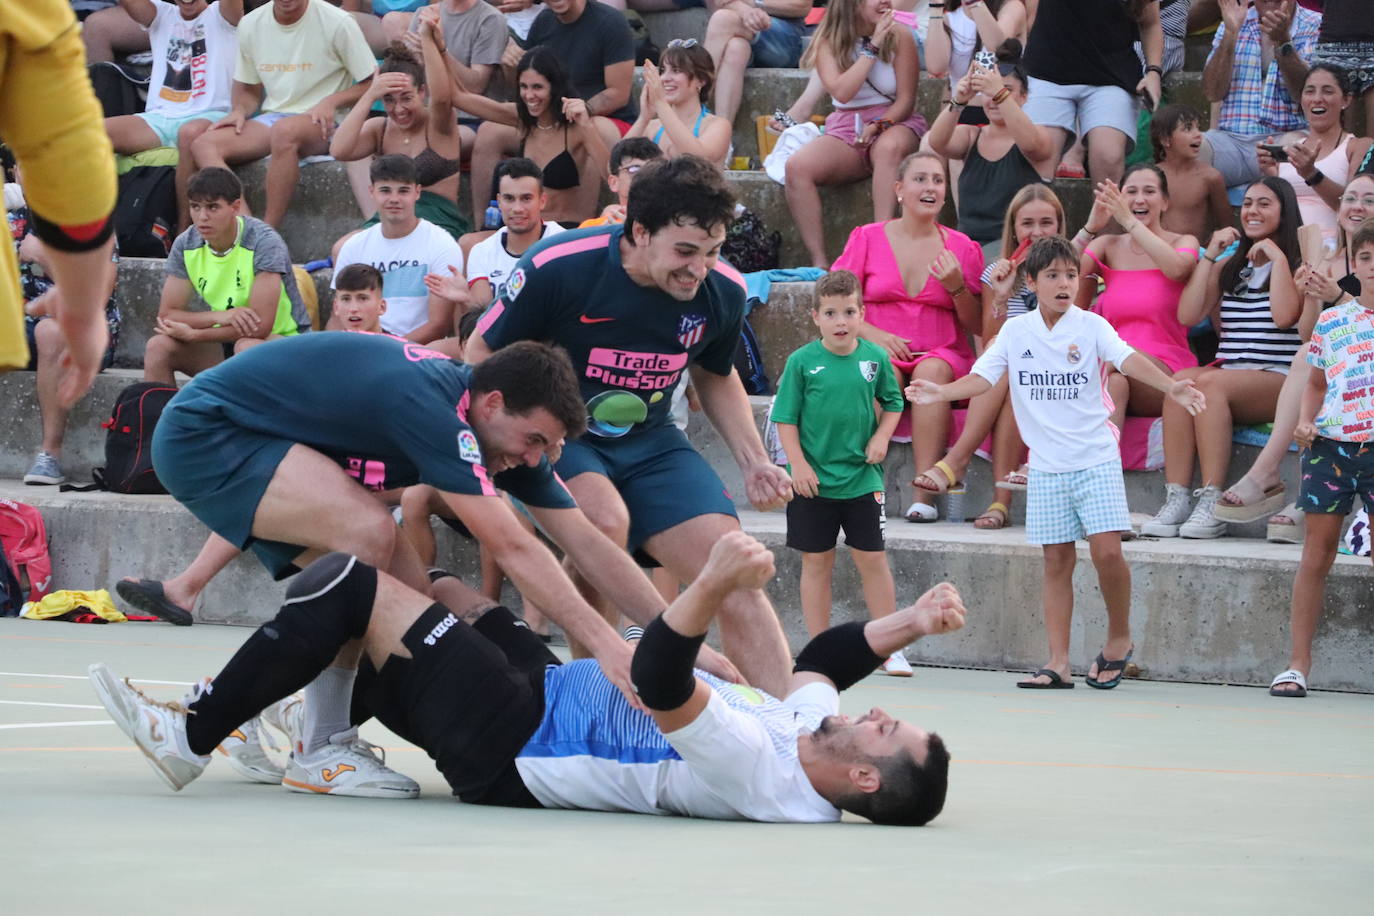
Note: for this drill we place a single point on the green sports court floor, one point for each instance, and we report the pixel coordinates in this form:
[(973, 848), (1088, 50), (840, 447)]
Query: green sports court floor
[(1159, 798)]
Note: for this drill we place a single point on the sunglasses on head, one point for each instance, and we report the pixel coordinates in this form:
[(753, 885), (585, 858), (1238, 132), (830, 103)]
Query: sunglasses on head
[(683, 43)]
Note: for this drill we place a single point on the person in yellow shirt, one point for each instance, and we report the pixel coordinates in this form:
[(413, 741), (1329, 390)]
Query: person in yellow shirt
[(50, 119), (627, 157), (299, 62)]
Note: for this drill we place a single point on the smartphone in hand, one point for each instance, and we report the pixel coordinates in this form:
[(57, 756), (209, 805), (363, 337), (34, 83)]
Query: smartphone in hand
[(1279, 153)]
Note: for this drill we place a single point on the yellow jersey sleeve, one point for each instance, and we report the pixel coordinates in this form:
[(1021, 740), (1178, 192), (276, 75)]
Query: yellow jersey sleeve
[(50, 118)]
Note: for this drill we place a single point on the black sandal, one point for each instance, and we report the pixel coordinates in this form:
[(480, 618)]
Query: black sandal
[(1118, 665), (1056, 682)]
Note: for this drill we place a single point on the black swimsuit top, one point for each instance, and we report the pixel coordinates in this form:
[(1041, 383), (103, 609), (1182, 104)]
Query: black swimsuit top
[(430, 167), (560, 172)]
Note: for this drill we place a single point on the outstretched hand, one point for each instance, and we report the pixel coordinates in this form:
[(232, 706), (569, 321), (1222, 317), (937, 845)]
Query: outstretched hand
[(1186, 393), (923, 391)]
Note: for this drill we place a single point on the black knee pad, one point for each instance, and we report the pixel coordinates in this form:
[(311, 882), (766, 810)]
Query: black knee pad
[(327, 604), (840, 653), (662, 667)]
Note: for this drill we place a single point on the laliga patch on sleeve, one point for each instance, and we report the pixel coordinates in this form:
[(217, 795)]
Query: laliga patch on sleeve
[(515, 284), (468, 449)]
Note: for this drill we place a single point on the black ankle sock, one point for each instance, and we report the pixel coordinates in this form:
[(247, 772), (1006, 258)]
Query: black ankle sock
[(326, 606)]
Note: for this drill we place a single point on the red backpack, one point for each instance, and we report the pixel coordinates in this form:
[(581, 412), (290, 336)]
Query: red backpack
[(25, 542)]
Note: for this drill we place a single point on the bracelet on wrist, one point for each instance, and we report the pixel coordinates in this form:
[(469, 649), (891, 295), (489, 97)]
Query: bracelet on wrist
[(1153, 68), (1316, 178), (1089, 233), (956, 293), (882, 124)]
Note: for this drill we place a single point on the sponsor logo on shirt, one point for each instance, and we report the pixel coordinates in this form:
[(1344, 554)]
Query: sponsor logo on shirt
[(1028, 355), (1051, 386), (468, 448), (868, 369), (816, 371), (440, 628), (690, 329), (517, 283)]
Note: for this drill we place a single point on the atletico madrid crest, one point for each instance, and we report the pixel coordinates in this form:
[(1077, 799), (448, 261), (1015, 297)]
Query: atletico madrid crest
[(690, 329)]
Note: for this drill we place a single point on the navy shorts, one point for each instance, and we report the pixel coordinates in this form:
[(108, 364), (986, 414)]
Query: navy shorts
[(814, 523), (219, 471), (1334, 473), (663, 480)]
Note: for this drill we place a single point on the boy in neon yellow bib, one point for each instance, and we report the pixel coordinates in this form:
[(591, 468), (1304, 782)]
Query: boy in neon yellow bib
[(229, 284)]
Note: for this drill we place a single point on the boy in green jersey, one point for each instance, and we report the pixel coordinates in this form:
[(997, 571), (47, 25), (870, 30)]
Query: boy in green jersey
[(836, 440), (229, 284)]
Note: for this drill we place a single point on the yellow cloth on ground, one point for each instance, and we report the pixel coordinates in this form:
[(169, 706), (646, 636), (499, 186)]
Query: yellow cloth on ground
[(50, 118), (55, 604)]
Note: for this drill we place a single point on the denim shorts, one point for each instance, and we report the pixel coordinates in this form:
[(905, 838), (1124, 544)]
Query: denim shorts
[(780, 45)]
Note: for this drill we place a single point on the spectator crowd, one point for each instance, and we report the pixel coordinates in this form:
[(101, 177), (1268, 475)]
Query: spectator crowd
[(1221, 257)]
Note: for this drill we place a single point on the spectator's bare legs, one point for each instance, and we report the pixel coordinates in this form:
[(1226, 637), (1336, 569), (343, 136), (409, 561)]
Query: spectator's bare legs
[(727, 41), (988, 414), (130, 134), (1056, 594), (494, 141), (825, 160), (186, 166), (184, 589), (1114, 579), (666, 584), (223, 147), (51, 346), (1061, 137), (164, 356), (880, 592), (929, 424), (1106, 153), (817, 574), (394, 25), (292, 138), (891, 147), (417, 504), (360, 181), (1264, 472), (1309, 588), (373, 31), (1237, 396), (1141, 399), (111, 33)]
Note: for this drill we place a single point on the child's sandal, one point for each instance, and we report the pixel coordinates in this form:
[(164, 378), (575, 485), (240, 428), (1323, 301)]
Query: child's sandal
[(996, 517)]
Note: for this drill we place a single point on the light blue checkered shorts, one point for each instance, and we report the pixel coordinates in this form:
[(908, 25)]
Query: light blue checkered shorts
[(1061, 508)]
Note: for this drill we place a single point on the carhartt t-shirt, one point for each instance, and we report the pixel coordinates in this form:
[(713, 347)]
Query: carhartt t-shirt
[(193, 61), (489, 260), (403, 263), (1342, 348), (301, 64), (736, 761), (829, 398), (224, 281), (598, 38), (1058, 380)]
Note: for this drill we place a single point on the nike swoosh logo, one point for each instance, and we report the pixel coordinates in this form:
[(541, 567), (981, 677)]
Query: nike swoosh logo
[(585, 320)]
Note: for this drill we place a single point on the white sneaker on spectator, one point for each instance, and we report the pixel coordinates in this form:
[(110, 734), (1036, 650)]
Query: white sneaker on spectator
[(244, 749), (1173, 513), (897, 665), (350, 766), (44, 470), (1203, 523), (156, 727)]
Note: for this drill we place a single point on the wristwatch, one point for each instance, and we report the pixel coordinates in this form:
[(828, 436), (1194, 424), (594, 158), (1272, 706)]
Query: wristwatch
[(1285, 49)]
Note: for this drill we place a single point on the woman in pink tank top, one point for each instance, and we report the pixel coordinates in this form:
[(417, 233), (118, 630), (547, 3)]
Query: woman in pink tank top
[(1145, 270)]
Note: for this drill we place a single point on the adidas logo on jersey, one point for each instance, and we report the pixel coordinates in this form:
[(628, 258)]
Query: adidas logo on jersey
[(1028, 355), (442, 627)]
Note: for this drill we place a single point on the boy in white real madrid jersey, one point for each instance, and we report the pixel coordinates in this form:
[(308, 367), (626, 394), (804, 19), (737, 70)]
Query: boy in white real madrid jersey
[(1056, 358)]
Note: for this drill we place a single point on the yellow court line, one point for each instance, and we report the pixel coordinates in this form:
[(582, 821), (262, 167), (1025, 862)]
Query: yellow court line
[(1156, 769)]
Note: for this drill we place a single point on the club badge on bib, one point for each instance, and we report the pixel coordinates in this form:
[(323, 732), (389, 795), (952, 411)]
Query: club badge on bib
[(868, 369), (468, 449)]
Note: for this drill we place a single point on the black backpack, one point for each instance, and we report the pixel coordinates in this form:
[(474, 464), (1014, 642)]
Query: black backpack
[(749, 246), (129, 440), (145, 215), (121, 88), (749, 362)]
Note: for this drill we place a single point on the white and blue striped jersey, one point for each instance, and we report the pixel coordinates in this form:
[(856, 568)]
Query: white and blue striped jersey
[(737, 760)]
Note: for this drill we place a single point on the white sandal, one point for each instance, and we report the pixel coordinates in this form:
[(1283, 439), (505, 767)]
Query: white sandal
[(1291, 676), (922, 512)]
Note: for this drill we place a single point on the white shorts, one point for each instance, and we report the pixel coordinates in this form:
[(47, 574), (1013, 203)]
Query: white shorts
[(1080, 108), (1062, 508)]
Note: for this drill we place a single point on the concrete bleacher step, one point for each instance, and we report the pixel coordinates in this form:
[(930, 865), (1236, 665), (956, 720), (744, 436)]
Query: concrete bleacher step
[(1203, 611)]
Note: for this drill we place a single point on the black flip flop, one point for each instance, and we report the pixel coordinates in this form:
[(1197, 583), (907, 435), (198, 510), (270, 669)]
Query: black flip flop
[(147, 595), (1056, 682), (1118, 665)]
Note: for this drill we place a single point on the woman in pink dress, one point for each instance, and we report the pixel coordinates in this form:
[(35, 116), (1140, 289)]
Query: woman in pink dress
[(921, 286), (1145, 269)]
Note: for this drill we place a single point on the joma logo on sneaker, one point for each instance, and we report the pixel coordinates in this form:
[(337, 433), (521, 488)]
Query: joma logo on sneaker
[(440, 629)]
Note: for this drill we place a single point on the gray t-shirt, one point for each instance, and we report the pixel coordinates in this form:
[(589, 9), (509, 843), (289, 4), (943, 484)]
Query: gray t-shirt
[(223, 280), (475, 36)]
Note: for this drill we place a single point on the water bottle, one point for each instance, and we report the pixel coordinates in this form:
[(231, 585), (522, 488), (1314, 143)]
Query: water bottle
[(492, 219), (954, 504)]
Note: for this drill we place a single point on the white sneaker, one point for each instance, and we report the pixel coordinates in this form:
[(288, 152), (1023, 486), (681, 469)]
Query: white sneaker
[(288, 717), (1173, 513), (1203, 523), (157, 728), (348, 765), (246, 755), (897, 665)]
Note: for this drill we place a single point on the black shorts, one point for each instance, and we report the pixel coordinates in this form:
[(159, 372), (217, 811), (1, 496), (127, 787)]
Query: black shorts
[(469, 696), (814, 523)]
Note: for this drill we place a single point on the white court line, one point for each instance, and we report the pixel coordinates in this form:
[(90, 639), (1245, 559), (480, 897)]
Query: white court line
[(57, 705), (58, 724), (82, 677)]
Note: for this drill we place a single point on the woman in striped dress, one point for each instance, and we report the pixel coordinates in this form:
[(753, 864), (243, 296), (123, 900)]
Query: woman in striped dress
[(1249, 291)]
